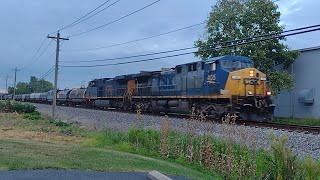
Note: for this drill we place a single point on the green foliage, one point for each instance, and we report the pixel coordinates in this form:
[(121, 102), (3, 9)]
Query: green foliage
[(202, 153), (109, 137), (22, 155), (238, 19), (64, 128), (12, 106), (281, 162), (311, 169), (298, 121), (33, 116), (34, 85), (60, 124), (148, 139)]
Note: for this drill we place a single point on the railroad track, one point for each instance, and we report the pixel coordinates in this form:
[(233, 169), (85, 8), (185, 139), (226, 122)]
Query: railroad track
[(288, 127), (271, 125)]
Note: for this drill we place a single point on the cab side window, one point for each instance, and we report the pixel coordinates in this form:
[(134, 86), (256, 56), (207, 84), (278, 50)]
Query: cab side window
[(179, 70), (213, 66), (194, 66)]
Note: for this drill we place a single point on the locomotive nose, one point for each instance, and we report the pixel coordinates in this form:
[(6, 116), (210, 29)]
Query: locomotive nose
[(248, 82)]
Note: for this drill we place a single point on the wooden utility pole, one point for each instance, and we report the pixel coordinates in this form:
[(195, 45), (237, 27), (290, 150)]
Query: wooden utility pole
[(58, 38), (15, 82), (41, 85), (7, 77)]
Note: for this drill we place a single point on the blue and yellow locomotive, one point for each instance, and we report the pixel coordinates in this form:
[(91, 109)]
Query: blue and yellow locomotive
[(215, 87)]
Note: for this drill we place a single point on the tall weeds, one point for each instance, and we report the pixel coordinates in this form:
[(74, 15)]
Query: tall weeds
[(233, 154)]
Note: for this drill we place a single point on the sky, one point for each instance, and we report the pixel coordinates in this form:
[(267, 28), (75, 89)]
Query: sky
[(26, 23)]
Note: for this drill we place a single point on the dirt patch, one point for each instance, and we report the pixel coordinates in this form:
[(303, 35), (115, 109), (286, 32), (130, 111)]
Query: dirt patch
[(39, 136)]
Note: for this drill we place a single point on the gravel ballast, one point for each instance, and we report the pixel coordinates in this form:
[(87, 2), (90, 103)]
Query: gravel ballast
[(302, 144)]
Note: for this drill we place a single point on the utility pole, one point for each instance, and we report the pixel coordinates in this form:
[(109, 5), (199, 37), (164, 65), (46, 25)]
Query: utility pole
[(58, 38), (15, 82), (7, 77), (42, 85)]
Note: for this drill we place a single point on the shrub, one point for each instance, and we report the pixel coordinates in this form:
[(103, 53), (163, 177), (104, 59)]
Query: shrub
[(61, 124), (33, 116), (12, 106)]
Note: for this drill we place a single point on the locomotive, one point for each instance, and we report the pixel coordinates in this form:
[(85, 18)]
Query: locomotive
[(214, 87)]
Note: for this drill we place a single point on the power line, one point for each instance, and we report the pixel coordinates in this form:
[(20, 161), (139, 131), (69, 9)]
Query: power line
[(36, 52), (128, 57), (29, 65), (41, 66), (80, 20), (72, 24), (193, 47), (209, 49), (52, 68), (137, 40), (48, 72), (123, 17)]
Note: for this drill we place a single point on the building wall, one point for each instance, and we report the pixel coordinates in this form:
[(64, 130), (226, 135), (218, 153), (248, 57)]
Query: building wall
[(306, 72)]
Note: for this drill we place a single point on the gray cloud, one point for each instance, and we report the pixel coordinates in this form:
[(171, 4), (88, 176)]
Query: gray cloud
[(24, 25)]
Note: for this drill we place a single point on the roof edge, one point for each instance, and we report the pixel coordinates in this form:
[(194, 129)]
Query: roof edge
[(308, 49)]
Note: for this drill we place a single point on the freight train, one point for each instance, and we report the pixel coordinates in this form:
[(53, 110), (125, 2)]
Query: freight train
[(214, 87)]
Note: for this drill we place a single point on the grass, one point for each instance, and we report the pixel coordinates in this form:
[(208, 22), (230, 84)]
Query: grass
[(59, 145), (298, 121), (31, 141), (17, 155)]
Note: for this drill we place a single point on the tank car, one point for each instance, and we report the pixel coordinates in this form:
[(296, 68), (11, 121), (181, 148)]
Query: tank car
[(43, 97), (63, 97), (25, 97), (8, 97), (18, 97), (77, 96)]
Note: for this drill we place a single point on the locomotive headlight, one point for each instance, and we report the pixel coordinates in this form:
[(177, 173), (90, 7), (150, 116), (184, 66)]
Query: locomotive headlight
[(251, 73), (268, 93), (250, 93), (236, 77)]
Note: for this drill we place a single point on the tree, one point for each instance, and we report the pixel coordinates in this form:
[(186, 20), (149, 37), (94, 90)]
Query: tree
[(238, 19), (35, 85)]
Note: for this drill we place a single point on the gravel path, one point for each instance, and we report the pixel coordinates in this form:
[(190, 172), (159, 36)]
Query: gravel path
[(302, 144)]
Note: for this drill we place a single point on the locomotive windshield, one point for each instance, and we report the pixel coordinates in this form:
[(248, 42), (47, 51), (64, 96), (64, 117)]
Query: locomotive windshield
[(246, 65), (235, 65)]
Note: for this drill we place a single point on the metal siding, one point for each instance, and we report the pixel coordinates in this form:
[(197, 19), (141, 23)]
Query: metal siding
[(305, 72)]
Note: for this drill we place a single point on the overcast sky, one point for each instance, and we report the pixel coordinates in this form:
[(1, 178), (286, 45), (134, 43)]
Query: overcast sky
[(25, 24)]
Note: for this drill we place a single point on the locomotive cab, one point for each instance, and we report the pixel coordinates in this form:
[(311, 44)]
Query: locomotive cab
[(246, 87)]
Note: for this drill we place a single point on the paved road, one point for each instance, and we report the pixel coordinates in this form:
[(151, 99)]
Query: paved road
[(74, 175)]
